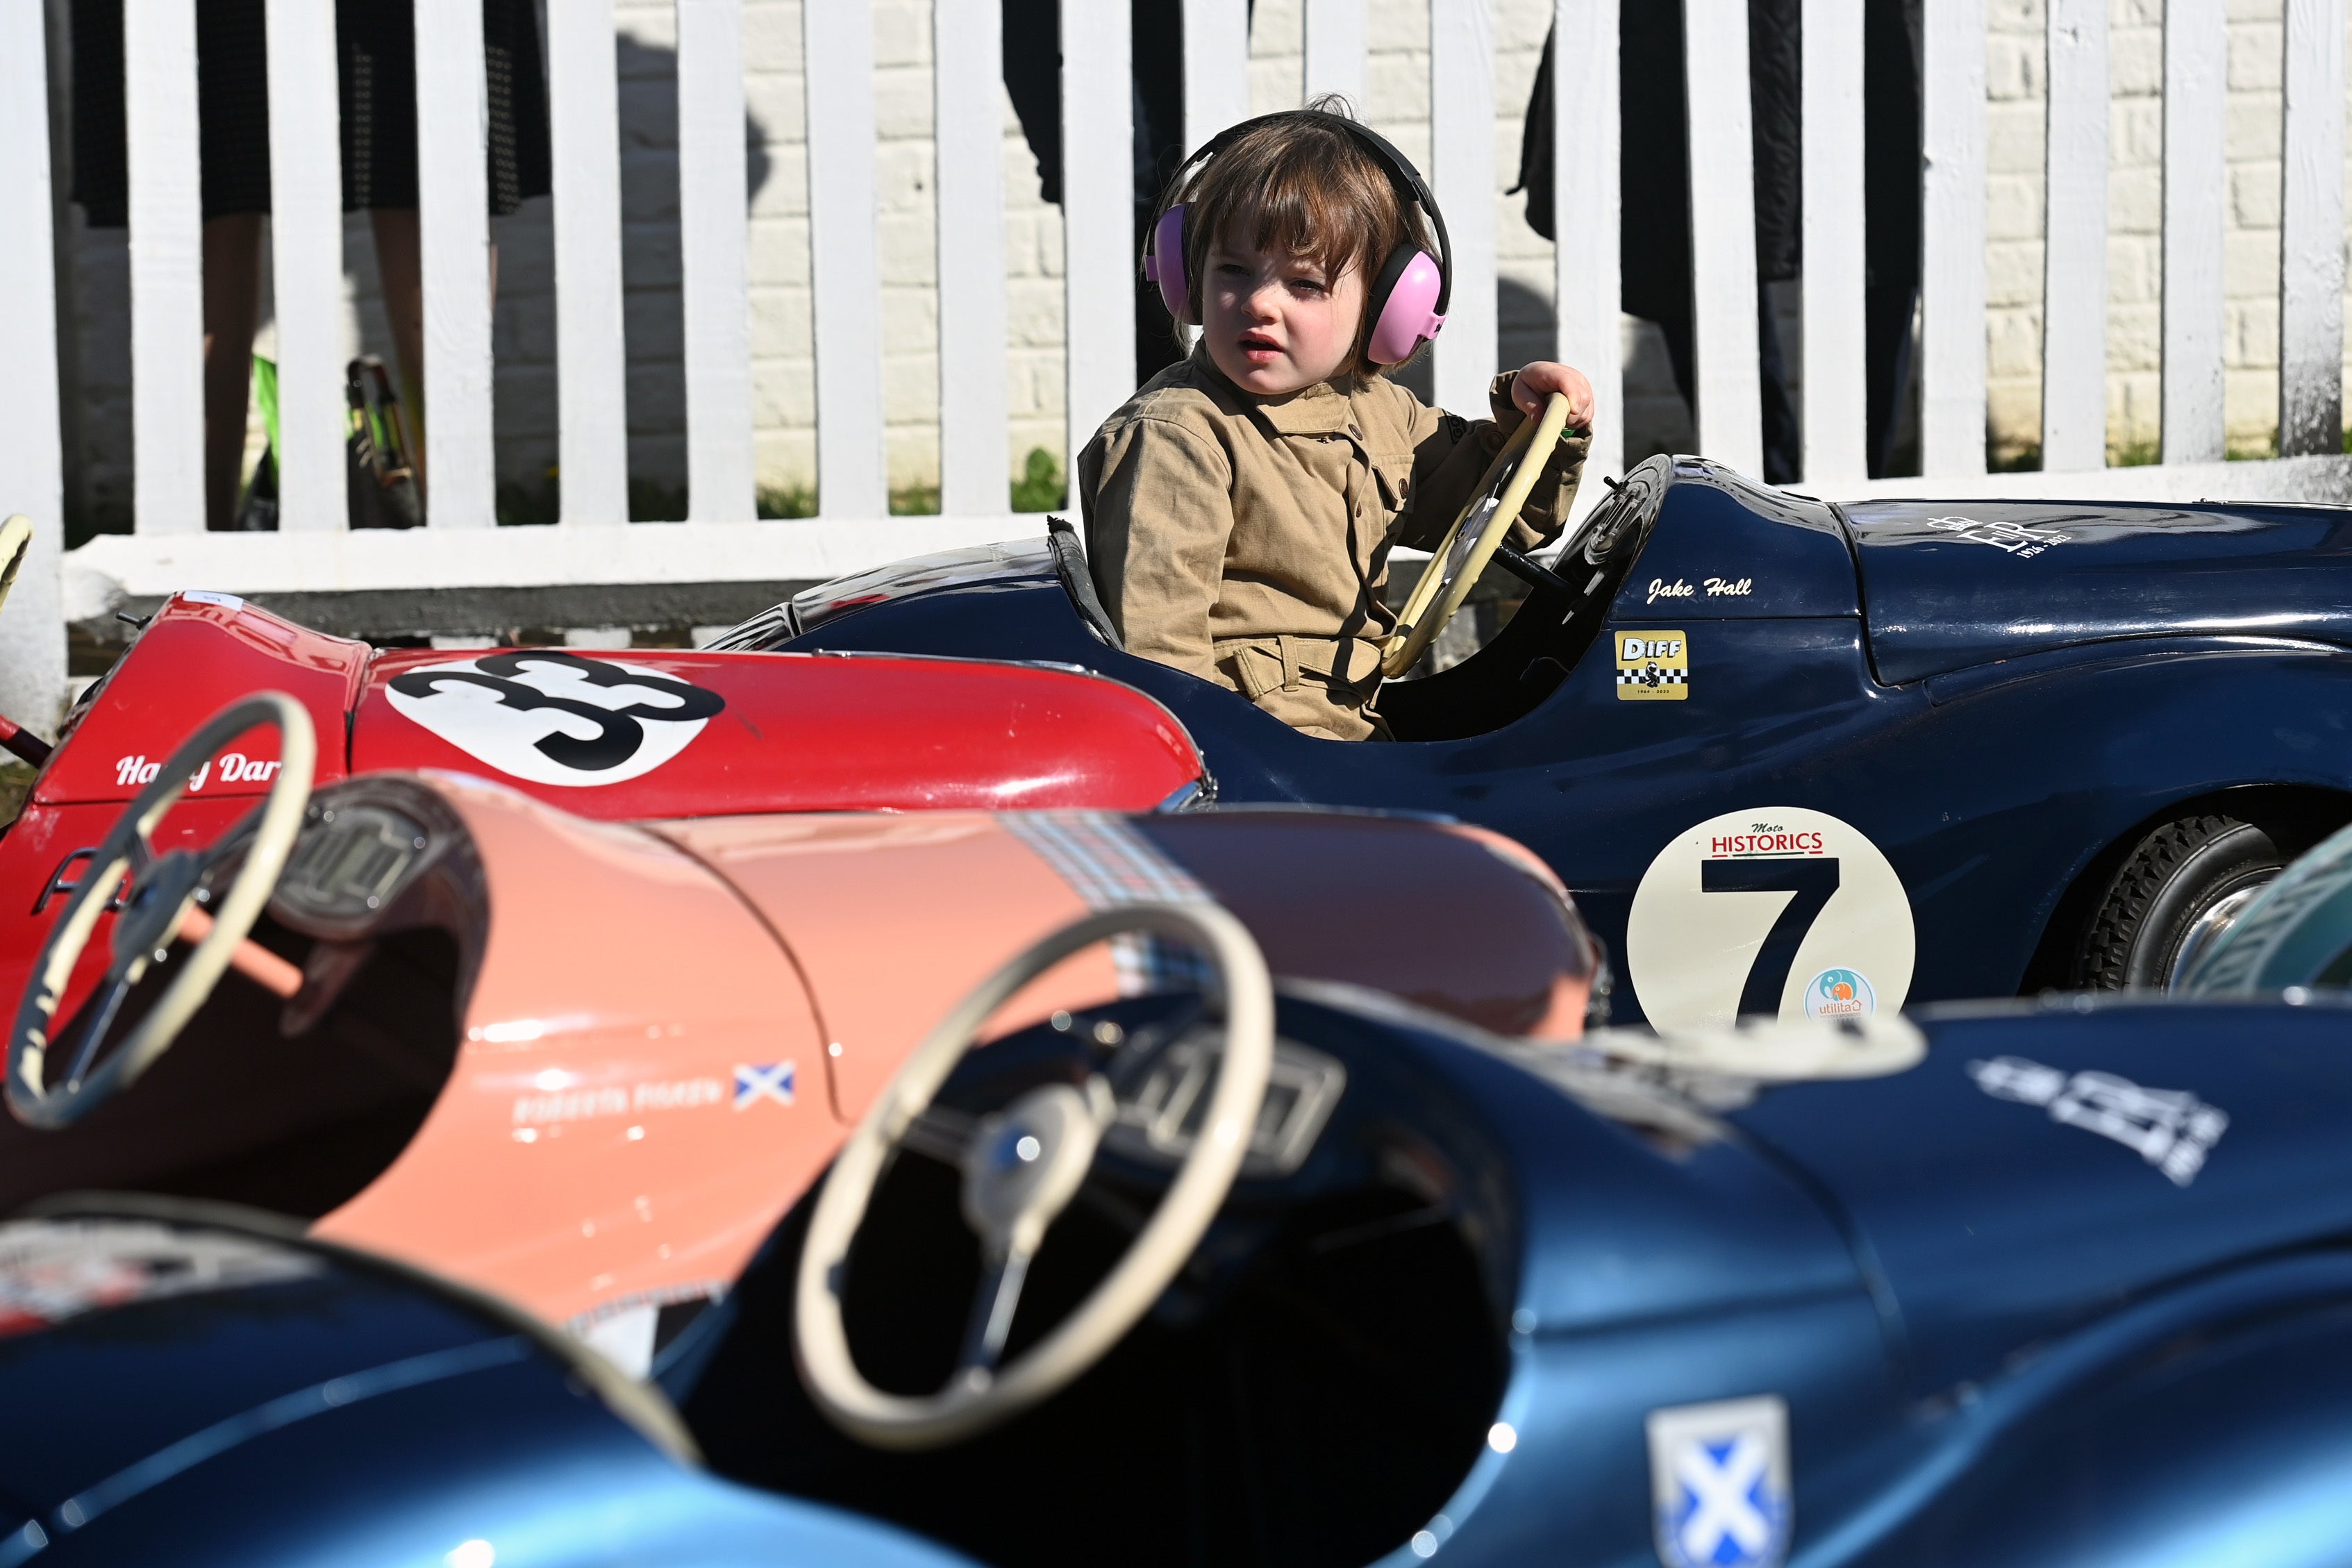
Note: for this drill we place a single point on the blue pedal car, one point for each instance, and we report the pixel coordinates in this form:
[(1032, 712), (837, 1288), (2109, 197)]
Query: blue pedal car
[(1800, 759), (2030, 1284), (2034, 1283), (191, 1386)]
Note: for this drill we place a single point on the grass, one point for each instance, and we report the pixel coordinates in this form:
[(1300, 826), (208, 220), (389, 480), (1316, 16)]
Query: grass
[(1038, 488), (2026, 458)]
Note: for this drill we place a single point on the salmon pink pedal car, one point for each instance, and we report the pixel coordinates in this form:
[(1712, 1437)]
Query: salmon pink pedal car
[(588, 1065)]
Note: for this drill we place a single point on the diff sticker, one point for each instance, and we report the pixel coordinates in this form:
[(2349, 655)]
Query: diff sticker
[(1781, 912), (1719, 1487), (1652, 666), (555, 717)]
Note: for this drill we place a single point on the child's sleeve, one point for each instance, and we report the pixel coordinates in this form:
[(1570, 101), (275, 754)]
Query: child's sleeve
[(1451, 455), (1158, 509)]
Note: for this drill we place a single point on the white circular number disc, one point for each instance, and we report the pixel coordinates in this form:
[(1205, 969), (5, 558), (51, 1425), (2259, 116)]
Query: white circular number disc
[(1697, 933)]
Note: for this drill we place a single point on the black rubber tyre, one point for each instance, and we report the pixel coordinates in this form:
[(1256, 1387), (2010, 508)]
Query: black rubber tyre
[(2171, 877)]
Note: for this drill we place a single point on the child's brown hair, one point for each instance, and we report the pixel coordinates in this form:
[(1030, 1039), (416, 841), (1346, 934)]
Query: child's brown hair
[(1300, 184)]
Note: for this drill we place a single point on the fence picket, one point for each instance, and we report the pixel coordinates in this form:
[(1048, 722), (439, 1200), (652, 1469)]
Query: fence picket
[(1216, 68), (1336, 39), (1723, 235), (2196, 50), (712, 243), (453, 212), (167, 308), (1952, 216), (1585, 267), (974, 434), (1462, 173), (591, 364), (2311, 233), (306, 235), (1836, 417), (32, 462), (845, 264), (1098, 217), (2075, 257)]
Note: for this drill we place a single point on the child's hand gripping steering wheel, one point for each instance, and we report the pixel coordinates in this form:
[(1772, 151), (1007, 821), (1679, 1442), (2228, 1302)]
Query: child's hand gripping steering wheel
[(162, 902), (1483, 526)]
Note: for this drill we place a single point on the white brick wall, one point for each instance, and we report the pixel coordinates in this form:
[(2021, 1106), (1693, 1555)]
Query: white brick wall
[(2014, 84)]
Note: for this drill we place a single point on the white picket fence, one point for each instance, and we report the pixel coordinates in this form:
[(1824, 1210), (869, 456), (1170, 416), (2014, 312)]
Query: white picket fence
[(722, 543)]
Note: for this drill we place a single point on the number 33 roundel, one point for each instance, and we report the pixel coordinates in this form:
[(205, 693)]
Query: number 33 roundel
[(1778, 911), (555, 717)]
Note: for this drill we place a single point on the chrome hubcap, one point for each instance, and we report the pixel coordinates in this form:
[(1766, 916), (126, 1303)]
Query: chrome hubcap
[(2218, 917)]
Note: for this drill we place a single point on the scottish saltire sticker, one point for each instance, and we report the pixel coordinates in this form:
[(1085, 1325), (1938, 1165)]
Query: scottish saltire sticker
[(1720, 1483), (1651, 667), (756, 1082)]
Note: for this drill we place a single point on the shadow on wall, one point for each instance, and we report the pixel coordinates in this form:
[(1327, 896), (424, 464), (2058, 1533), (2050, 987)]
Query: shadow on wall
[(652, 304)]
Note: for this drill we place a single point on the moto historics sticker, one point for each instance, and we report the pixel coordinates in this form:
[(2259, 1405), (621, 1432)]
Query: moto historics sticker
[(556, 718), (1776, 911), (1652, 666)]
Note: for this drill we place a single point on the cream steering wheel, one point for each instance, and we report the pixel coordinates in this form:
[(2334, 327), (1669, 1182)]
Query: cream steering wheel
[(160, 904), (1470, 544), (1020, 1166)]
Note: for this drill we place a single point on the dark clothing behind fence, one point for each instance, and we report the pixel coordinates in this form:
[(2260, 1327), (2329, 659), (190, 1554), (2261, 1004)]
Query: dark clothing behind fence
[(376, 73), (1654, 242)]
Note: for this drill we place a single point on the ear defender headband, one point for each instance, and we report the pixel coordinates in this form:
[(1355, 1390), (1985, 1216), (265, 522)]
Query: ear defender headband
[(1406, 304)]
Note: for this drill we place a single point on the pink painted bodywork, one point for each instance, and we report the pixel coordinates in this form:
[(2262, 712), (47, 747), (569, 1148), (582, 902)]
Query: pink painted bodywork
[(589, 1152)]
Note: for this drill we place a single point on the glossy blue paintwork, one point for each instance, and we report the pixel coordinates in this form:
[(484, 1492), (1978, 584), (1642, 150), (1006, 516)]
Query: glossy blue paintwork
[(1957, 585), (1993, 723), (358, 1418), (2002, 1338)]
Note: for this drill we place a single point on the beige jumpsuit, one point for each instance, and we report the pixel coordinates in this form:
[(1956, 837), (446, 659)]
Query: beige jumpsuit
[(1246, 540)]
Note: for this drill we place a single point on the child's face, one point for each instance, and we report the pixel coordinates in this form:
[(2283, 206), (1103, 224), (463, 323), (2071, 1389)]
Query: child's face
[(1274, 321)]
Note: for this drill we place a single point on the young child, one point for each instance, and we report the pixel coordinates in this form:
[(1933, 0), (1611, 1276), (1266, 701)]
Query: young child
[(1240, 509)]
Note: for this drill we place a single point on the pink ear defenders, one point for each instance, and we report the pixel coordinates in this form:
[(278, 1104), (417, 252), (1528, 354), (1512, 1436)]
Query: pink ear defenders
[(1406, 304)]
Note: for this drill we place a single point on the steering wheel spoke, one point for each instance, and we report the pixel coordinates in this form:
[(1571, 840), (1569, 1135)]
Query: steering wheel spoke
[(118, 986), (1002, 1274)]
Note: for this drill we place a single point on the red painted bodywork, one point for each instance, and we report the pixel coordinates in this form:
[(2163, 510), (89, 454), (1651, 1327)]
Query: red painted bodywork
[(797, 732)]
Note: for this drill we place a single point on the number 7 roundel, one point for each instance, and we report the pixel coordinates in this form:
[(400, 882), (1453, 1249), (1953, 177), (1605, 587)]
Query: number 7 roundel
[(1778, 911)]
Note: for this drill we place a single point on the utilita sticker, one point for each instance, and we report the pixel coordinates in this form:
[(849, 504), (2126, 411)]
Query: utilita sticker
[(1652, 666), (1840, 994), (2170, 1128), (2016, 538), (1781, 912), (555, 717)]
